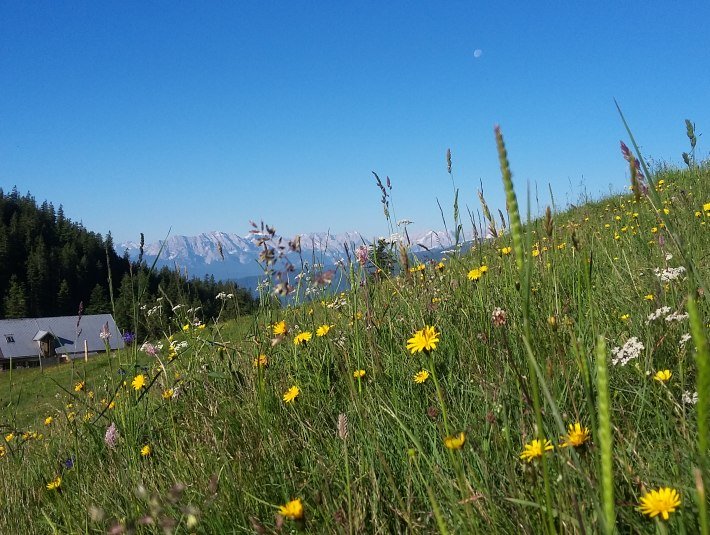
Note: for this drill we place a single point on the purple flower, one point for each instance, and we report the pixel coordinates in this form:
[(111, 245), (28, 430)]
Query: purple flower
[(128, 337), (361, 255), (150, 349), (105, 333), (111, 436)]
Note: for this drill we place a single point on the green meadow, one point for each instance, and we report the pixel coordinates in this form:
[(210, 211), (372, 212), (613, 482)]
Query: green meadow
[(554, 379)]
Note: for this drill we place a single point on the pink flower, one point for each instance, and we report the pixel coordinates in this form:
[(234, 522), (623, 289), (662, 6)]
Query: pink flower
[(361, 255), (111, 436)]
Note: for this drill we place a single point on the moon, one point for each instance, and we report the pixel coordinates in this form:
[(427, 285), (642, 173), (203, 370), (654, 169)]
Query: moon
[(477, 53)]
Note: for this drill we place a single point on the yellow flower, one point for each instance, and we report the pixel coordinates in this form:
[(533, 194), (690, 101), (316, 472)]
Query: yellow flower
[(323, 330), (358, 374), (201, 326), (280, 328), (78, 387), (659, 502), (535, 253), (138, 382), (55, 483), (3, 452), (146, 451), (666, 211), (663, 376), (455, 442), (9, 437), (423, 340), (624, 317), (421, 376), (291, 394), (576, 435), (168, 394), (552, 321), (112, 405), (706, 207), (261, 361), (534, 449), (477, 273), (506, 250), (48, 420), (292, 510), (186, 327), (648, 297), (302, 338)]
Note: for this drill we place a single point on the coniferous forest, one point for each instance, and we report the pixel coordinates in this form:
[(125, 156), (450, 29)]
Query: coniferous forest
[(52, 266)]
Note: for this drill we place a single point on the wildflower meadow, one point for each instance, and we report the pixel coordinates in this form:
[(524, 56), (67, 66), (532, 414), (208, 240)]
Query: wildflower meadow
[(548, 375)]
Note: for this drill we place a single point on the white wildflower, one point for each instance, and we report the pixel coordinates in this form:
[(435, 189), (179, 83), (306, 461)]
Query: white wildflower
[(676, 317), (629, 351), (657, 314), (669, 274), (684, 339), (690, 398)]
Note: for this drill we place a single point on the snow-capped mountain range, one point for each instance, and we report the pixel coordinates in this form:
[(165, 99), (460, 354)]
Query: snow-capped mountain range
[(200, 255)]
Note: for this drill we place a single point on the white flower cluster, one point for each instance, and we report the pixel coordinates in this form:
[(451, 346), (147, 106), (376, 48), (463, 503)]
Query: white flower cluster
[(338, 302), (224, 296), (669, 274), (676, 317), (629, 351), (684, 339), (156, 309), (690, 398), (657, 314)]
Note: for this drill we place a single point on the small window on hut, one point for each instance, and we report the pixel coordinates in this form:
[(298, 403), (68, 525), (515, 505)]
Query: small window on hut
[(10, 339)]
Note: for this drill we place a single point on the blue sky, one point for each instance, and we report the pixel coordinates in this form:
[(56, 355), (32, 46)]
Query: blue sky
[(141, 116)]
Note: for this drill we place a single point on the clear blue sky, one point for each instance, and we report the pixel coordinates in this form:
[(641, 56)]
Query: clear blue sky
[(139, 116)]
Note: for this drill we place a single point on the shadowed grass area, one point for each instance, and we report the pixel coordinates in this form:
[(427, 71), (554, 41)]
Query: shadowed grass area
[(533, 398)]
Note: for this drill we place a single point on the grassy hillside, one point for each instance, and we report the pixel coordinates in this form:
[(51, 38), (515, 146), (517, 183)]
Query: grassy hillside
[(409, 405)]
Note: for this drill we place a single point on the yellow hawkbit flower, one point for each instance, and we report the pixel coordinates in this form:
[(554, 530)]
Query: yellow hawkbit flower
[(48, 420), (138, 382), (624, 317), (423, 340), (146, 450), (323, 330), (506, 250), (9, 437), (535, 449), (292, 510), (421, 376), (576, 435), (280, 328), (55, 483), (659, 502), (706, 207), (303, 338), (455, 442), (78, 387), (291, 394), (648, 297), (168, 394), (358, 374), (261, 361), (186, 327), (663, 376)]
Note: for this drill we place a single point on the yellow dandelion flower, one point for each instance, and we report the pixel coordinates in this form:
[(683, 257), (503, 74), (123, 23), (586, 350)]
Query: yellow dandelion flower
[(55, 483), (291, 394), (624, 317), (78, 387), (138, 382), (455, 442), (475, 274), (663, 376), (48, 420), (186, 327), (358, 374), (280, 328), (648, 297), (662, 501), (421, 376), (576, 435), (112, 405), (323, 330), (9, 437), (506, 250), (262, 361), (168, 394), (423, 340), (535, 449), (146, 450), (706, 207), (292, 510), (303, 338)]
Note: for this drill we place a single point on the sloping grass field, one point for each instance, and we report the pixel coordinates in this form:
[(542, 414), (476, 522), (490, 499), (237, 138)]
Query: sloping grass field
[(555, 379)]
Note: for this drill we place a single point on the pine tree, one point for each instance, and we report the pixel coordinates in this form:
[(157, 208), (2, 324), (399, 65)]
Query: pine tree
[(15, 302)]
